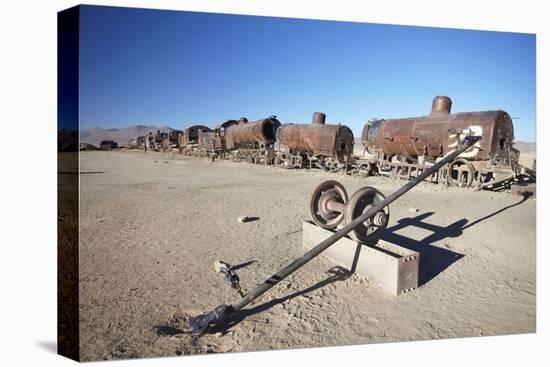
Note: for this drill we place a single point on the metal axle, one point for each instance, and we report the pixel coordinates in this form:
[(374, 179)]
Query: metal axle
[(200, 324)]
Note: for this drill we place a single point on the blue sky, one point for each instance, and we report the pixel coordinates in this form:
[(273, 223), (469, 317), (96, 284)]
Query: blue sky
[(177, 69)]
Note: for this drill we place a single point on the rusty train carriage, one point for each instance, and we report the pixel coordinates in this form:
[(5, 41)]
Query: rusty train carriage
[(405, 147), (316, 144)]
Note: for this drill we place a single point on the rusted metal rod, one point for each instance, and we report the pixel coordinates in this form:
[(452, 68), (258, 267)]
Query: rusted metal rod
[(200, 324)]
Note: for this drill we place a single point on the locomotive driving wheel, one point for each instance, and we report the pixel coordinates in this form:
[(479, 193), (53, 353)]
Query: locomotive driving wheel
[(372, 229), (322, 205), (461, 173)]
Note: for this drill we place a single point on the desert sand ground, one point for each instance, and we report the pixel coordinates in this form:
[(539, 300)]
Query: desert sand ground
[(152, 226)]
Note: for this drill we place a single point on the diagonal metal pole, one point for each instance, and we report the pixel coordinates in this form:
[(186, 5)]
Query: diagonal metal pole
[(200, 324)]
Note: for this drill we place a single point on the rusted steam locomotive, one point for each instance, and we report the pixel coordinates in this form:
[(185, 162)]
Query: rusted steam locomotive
[(399, 148), (252, 141), (329, 147), (268, 142), (240, 140), (405, 147)]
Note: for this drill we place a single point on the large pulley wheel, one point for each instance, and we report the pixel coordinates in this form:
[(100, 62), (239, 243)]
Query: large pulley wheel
[(461, 173), (319, 204), (372, 229)]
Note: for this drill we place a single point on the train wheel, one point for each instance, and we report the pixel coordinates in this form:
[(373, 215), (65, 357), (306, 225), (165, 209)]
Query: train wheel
[(461, 173), (372, 229), (321, 215)]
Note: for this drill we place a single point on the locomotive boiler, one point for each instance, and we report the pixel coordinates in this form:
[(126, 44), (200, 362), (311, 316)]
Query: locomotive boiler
[(252, 141), (252, 134), (404, 146), (323, 145)]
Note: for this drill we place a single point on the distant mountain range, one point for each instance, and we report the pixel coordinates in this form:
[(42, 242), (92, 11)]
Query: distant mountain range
[(121, 136)]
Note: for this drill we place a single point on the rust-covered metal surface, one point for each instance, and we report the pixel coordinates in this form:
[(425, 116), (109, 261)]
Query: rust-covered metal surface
[(219, 134), (262, 132), (191, 134), (206, 140), (318, 139), (437, 134), (226, 124), (174, 136)]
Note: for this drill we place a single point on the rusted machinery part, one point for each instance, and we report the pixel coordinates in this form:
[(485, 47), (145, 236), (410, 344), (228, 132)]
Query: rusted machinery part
[(262, 131), (328, 203), (226, 124), (460, 173), (329, 206), (360, 202), (497, 181)]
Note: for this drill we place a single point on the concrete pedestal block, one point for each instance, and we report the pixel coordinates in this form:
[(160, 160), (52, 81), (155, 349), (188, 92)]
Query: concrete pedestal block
[(392, 266)]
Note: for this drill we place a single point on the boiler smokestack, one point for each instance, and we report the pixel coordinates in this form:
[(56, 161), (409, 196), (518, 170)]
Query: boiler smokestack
[(441, 105), (318, 118)]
